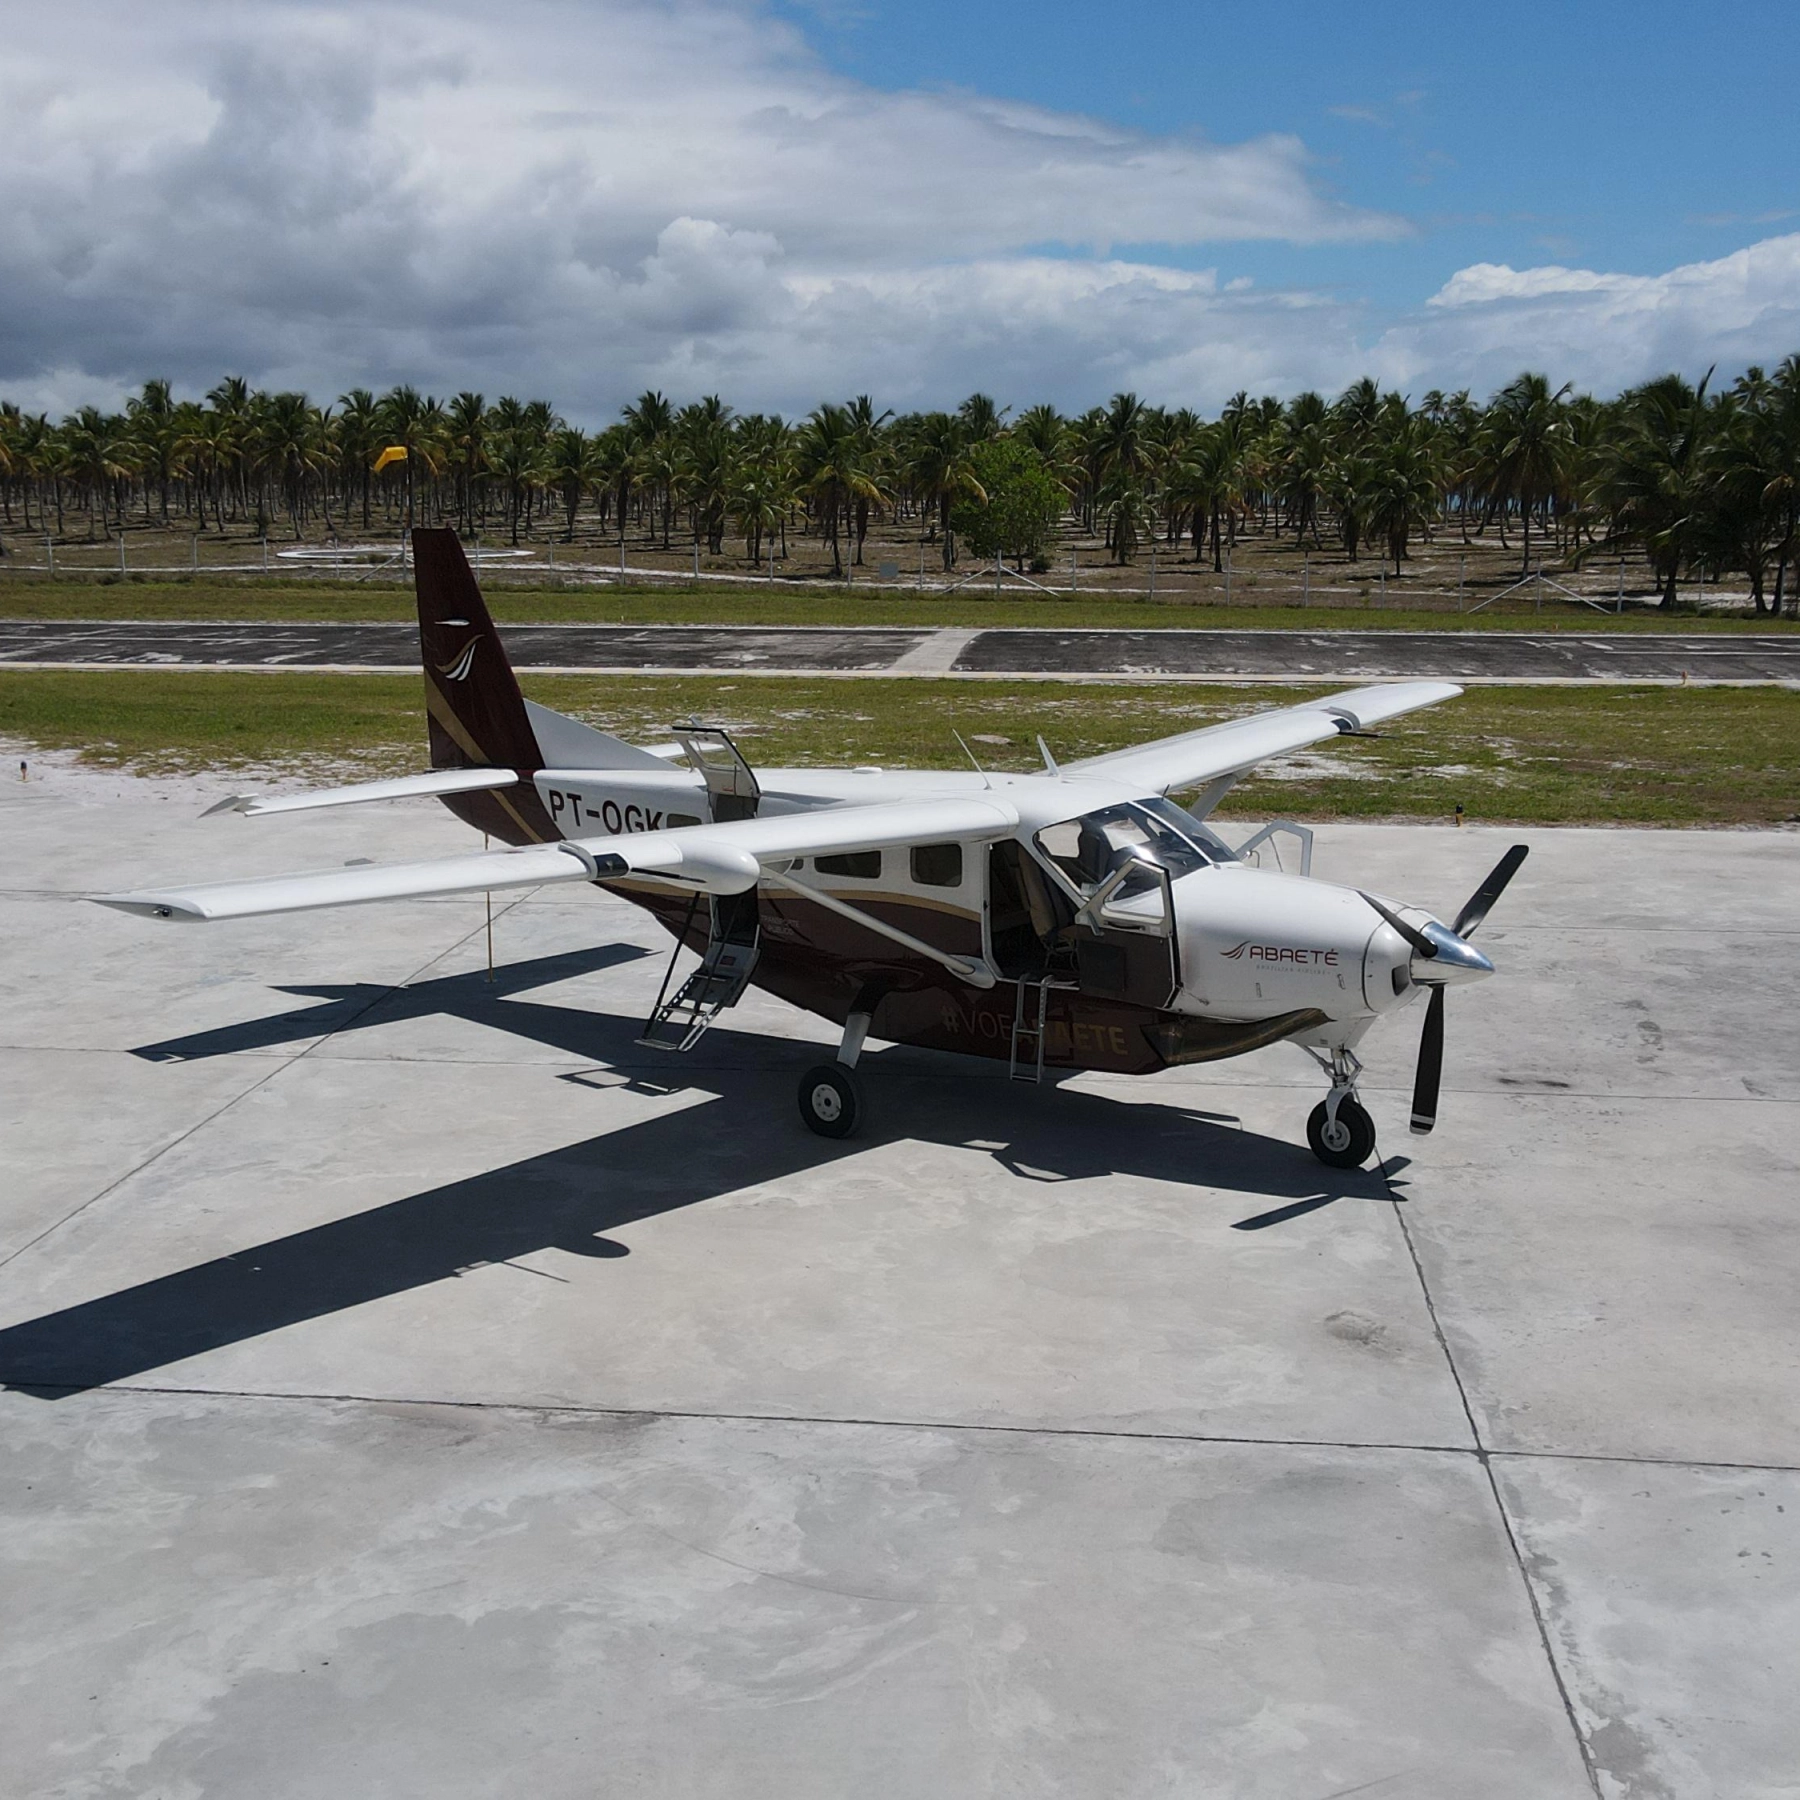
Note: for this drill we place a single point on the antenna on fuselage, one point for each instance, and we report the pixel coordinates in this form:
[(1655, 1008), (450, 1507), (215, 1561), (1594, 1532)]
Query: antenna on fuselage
[(970, 754), (1050, 767)]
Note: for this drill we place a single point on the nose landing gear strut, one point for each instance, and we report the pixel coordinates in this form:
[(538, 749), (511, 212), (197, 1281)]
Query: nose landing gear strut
[(1339, 1129)]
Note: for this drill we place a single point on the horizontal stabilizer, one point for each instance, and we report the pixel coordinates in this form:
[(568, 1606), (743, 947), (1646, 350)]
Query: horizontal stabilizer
[(404, 787), (569, 744)]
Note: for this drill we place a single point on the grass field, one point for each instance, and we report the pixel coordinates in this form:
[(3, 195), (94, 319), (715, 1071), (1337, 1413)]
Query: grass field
[(1651, 755), (251, 598)]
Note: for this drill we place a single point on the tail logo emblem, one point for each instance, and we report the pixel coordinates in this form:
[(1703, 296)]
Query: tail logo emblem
[(1234, 953), (459, 670)]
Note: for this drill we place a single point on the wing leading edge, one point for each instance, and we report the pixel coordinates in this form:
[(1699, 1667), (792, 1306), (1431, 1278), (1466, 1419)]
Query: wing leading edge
[(719, 859), (1228, 749)]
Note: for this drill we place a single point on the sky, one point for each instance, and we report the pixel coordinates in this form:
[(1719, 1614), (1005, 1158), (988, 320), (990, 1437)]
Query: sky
[(785, 201)]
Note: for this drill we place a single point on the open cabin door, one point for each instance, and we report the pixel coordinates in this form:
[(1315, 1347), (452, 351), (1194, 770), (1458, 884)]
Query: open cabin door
[(1120, 946), (731, 784)]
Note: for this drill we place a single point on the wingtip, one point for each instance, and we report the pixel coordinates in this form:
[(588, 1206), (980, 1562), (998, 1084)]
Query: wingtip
[(145, 906)]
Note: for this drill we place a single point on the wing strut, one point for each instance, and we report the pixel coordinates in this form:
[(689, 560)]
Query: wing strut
[(976, 974)]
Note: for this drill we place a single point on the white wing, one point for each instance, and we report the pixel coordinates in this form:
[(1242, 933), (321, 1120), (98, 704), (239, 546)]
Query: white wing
[(1217, 751), (719, 859)]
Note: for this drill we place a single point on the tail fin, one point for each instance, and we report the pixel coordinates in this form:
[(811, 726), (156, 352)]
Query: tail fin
[(474, 711)]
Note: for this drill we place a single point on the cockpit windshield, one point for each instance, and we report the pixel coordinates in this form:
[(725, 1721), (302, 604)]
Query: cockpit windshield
[(1155, 831)]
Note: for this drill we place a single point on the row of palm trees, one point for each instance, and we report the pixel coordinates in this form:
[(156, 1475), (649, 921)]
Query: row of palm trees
[(1699, 480)]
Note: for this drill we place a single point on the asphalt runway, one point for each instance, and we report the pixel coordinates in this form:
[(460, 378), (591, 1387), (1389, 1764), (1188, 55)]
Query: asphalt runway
[(417, 1388), (1478, 657)]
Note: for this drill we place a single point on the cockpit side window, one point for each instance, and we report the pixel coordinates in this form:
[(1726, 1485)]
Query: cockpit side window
[(1087, 850)]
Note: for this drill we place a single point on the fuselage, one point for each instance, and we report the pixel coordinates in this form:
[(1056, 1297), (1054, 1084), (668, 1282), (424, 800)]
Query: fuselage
[(1192, 956)]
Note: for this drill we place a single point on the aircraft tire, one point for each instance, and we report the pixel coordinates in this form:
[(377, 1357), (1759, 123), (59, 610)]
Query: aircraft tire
[(830, 1100), (1349, 1146)]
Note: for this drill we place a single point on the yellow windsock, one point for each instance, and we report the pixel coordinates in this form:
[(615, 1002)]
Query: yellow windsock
[(392, 454)]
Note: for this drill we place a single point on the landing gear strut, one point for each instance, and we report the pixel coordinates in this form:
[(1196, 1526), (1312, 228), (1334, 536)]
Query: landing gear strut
[(831, 1099), (1339, 1130)]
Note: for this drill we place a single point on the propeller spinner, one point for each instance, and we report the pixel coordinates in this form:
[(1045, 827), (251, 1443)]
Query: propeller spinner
[(1442, 957)]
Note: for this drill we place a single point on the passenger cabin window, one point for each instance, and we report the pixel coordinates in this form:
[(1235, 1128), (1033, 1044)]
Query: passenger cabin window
[(1089, 849), (863, 865), (937, 865)]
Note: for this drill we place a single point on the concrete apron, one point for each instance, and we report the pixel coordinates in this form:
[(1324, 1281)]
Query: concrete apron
[(418, 1389)]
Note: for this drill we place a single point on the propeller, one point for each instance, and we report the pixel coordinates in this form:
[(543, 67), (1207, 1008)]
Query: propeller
[(1451, 950)]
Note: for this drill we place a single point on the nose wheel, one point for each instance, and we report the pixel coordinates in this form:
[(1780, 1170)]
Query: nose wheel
[(1344, 1142), (1339, 1129)]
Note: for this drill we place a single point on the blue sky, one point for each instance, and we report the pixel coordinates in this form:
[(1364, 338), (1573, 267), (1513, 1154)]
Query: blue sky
[(791, 200), (1621, 137)]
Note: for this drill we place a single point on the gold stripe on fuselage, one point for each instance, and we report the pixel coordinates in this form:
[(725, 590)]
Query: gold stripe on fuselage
[(440, 709)]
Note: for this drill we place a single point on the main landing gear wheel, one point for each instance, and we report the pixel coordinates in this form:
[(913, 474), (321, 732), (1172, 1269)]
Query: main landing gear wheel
[(830, 1100), (1344, 1142)]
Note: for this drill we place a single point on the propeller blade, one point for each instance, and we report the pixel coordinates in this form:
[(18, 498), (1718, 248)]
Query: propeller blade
[(1413, 935), (1478, 904), (1431, 1066)]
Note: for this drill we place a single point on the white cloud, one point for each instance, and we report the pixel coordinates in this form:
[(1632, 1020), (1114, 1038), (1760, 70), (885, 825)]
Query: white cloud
[(581, 199), (552, 196), (1605, 330)]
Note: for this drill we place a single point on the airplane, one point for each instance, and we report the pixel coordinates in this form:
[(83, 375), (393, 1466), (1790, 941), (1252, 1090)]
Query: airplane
[(1073, 918)]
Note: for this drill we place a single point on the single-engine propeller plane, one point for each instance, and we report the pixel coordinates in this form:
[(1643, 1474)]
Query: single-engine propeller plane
[(1073, 918)]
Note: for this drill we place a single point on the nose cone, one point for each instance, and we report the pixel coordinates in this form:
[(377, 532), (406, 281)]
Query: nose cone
[(1455, 959)]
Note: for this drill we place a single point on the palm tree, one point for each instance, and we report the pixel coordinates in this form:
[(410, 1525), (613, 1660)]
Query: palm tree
[(572, 466), (1402, 484), (358, 440), (1658, 484), (873, 447), (155, 433), (516, 458), (834, 470), (938, 468), (465, 429), (981, 418), (292, 444), (99, 453), (410, 421), (1529, 447)]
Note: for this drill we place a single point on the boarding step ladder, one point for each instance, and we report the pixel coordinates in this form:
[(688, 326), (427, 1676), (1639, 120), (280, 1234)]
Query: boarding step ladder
[(725, 969), (1031, 1005)]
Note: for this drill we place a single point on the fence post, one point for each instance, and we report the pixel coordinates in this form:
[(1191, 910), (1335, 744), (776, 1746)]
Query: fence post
[(1306, 578), (1227, 574), (50, 552), (121, 553), (265, 553), (1383, 600), (1462, 604), (1619, 606), (1537, 590), (194, 559), (696, 559), (1153, 568), (1072, 582)]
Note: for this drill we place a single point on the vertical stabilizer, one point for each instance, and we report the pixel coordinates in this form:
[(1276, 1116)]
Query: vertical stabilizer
[(475, 713)]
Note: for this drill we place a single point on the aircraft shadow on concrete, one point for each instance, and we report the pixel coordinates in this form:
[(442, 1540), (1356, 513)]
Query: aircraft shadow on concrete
[(570, 1198)]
